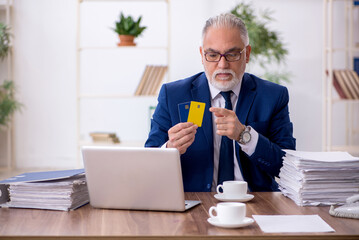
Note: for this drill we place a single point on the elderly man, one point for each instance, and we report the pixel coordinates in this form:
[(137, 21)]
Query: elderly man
[(246, 120)]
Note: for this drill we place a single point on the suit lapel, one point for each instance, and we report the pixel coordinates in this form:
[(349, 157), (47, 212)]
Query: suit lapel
[(245, 98), (200, 92), (245, 101)]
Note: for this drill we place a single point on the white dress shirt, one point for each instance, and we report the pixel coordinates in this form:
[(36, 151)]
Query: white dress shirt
[(217, 100)]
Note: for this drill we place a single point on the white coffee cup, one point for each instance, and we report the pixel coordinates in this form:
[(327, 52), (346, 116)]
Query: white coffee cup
[(228, 212), (233, 189)]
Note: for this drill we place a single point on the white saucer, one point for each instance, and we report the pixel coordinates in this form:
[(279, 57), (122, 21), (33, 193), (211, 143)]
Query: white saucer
[(244, 198), (215, 222)]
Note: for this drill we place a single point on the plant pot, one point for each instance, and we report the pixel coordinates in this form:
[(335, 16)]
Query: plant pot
[(126, 40)]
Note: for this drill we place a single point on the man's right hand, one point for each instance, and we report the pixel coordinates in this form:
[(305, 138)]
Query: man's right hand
[(181, 136)]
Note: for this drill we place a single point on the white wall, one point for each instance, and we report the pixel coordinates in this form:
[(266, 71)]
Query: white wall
[(303, 38), (45, 70)]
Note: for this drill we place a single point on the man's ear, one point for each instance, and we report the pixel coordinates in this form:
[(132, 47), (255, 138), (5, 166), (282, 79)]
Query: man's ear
[(201, 52), (248, 52)]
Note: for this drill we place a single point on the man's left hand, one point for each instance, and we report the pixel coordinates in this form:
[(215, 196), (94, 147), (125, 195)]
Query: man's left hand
[(227, 123)]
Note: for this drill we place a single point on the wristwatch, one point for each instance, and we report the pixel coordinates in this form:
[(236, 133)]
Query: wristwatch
[(245, 136)]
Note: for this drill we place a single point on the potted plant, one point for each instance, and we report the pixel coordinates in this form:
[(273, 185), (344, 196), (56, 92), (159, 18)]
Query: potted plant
[(4, 40), (8, 103), (266, 44), (128, 29)]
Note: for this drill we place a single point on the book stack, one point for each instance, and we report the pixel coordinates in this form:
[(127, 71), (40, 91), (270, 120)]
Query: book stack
[(53, 190), (151, 80), (356, 62), (346, 83), (319, 178), (104, 137)]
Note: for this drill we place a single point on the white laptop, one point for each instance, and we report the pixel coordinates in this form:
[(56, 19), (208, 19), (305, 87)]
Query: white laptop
[(135, 178)]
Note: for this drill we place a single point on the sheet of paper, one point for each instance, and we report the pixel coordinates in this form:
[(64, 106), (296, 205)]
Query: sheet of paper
[(322, 156), (292, 223)]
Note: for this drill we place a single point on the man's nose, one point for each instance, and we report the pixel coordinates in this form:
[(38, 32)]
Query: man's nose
[(223, 63)]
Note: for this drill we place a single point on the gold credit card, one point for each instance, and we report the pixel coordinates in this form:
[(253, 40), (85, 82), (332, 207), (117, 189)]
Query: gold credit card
[(196, 112)]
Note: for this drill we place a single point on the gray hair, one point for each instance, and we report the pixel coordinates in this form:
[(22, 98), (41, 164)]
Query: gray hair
[(227, 20)]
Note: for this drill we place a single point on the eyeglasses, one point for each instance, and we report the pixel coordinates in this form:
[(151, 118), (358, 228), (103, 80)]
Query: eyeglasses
[(229, 56)]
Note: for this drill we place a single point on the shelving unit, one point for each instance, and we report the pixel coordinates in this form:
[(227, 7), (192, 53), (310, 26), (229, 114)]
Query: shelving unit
[(339, 50), (107, 75), (6, 139)]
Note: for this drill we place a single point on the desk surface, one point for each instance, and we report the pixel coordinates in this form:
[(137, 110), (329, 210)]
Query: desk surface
[(110, 224)]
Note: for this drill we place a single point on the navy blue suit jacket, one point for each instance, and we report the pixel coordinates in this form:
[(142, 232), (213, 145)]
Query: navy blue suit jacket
[(261, 104)]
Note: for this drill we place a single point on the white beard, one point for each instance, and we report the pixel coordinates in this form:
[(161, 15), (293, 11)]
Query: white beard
[(224, 85)]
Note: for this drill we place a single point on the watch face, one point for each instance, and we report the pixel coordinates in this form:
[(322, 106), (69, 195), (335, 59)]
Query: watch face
[(246, 137)]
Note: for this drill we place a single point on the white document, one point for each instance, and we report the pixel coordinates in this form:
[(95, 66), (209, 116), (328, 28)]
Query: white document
[(323, 156), (292, 223)]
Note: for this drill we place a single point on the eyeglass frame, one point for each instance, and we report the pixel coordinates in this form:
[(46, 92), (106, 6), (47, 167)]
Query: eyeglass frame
[(224, 55)]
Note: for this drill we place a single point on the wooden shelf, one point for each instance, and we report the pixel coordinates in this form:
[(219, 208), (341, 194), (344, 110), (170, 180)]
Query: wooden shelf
[(354, 49), (155, 52), (124, 0), (134, 48), (114, 96), (349, 48), (120, 144), (352, 149), (337, 100)]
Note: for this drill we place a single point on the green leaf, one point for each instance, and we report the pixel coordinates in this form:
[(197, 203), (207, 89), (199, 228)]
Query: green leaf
[(266, 43), (8, 103), (4, 40), (128, 26)]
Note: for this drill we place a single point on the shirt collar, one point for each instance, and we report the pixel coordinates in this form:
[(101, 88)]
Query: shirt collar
[(214, 91)]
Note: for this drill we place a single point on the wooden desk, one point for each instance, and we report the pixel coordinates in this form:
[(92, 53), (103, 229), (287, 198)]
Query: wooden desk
[(90, 223)]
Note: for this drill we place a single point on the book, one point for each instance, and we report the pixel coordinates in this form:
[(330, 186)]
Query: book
[(105, 137), (354, 80), (53, 190), (143, 80), (341, 81), (347, 81), (160, 80), (103, 134), (338, 88), (151, 80), (157, 80), (356, 61), (355, 76)]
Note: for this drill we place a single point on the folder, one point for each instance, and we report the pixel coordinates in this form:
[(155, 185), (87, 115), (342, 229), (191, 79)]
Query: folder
[(54, 190)]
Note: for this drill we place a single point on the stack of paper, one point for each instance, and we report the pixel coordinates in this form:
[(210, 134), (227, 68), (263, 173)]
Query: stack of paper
[(319, 178), (54, 190)]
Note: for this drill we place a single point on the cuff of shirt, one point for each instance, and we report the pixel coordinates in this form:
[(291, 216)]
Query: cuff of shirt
[(250, 147), (165, 145)]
